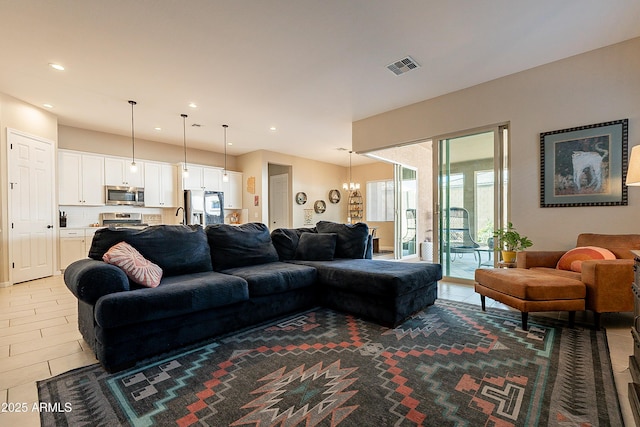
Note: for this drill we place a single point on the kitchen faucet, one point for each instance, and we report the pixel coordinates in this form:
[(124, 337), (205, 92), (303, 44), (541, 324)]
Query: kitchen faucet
[(184, 217)]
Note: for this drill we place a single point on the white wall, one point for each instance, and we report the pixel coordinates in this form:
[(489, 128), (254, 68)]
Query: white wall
[(594, 87)]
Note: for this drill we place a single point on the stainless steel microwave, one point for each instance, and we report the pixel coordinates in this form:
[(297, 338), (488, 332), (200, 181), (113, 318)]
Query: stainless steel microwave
[(132, 196)]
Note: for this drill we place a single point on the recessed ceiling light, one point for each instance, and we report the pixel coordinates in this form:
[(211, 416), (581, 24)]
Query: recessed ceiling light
[(158, 129), (56, 67), (273, 129), (47, 105), (193, 105), (229, 143)]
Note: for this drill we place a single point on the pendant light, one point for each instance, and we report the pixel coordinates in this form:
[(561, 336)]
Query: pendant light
[(225, 176), (134, 167), (351, 186), (185, 171)]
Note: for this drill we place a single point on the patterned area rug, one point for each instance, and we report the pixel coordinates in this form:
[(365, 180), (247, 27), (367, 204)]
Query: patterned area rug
[(450, 365)]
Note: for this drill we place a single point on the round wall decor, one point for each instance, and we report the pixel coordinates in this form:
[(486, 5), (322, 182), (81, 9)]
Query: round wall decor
[(301, 198), (319, 206), (334, 196)]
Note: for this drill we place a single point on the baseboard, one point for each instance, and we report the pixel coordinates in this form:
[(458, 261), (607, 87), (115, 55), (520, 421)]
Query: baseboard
[(5, 284)]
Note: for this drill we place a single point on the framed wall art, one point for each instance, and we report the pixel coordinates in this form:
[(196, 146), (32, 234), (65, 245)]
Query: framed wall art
[(301, 198), (584, 166), (319, 206), (334, 196)]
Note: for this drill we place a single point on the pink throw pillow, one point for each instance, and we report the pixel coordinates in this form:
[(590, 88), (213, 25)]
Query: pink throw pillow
[(136, 267), (572, 260)]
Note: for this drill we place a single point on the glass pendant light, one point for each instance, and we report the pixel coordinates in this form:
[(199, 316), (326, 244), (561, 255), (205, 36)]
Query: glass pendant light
[(185, 171), (134, 167), (225, 176), (350, 186)]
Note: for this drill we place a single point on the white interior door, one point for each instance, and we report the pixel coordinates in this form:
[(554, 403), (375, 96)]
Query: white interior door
[(278, 201), (31, 206)]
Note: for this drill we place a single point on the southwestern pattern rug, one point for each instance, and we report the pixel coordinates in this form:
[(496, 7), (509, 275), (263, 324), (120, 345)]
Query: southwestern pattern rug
[(449, 365)]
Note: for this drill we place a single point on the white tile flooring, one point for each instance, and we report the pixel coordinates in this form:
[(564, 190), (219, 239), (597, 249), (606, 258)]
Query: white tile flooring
[(39, 338)]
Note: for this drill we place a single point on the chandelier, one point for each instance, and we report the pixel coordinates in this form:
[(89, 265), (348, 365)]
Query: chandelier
[(350, 186)]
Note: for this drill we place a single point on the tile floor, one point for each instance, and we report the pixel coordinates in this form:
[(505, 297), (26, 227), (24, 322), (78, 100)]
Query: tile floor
[(39, 338)]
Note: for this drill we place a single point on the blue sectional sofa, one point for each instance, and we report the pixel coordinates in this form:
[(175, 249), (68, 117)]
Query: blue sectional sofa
[(224, 278)]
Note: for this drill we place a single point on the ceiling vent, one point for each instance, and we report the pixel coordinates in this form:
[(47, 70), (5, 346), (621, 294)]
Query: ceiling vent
[(403, 65)]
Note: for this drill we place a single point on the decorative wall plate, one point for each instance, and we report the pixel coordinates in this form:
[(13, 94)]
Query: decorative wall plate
[(301, 198), (334, 196), (319, 206)]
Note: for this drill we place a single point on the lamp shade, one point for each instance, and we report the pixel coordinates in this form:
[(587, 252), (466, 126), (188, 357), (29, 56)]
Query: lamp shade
[(633, 172)]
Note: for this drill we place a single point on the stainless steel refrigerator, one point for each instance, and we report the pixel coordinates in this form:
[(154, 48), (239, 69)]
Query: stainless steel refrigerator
[(204, 207)]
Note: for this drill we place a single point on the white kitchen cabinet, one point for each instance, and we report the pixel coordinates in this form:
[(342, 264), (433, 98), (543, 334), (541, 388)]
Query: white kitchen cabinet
[(74, 244), (160, 185), (71, 246), (117, 171), (212, 179), (233, 191), (80, 179), (203, 178), (194, 180)]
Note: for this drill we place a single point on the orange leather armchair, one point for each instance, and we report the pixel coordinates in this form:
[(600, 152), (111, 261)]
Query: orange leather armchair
[(608, 282)]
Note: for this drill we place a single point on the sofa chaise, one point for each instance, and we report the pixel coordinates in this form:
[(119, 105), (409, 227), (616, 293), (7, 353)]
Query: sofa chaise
[(223, 278)]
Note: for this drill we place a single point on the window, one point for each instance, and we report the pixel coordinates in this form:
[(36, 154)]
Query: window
[(380, 200)]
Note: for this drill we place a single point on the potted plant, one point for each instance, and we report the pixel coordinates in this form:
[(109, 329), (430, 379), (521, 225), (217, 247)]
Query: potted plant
[(509, 241)]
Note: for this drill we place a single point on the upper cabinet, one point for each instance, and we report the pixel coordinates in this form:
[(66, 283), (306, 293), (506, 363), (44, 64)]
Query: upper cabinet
[(194, 179), (117, 171), (233, 191), (212, 179), (203, 178), (160, 185), (81, 179)]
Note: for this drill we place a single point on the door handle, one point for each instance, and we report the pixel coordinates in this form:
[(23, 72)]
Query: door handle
[(49, 226)]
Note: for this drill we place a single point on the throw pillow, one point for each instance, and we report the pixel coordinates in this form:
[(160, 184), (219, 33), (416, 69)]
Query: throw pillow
[(136, 267), (285, 240), (352, 238), (572, 260), (316, 246)]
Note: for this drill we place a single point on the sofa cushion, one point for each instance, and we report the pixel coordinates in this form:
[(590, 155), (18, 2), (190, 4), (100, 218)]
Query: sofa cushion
[(240, 245), (530, 284), (136, 267), (285, 240), (176, 249), (375, 277), (316, 246), (176, 295), (275, 277), (351, 238), (559, 273), (572, 260)]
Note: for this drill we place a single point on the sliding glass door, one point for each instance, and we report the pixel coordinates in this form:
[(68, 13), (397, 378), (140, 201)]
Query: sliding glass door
[(472, 184), (406, 208)]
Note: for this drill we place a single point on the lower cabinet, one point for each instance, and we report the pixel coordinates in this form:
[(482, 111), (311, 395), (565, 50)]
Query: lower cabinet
[(74, 244)]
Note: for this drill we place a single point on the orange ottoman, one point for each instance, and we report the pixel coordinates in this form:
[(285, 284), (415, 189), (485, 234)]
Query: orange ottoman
[(530, 291)]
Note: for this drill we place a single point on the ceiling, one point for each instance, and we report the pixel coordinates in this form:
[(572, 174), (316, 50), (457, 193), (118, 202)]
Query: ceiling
[(308, 68)]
